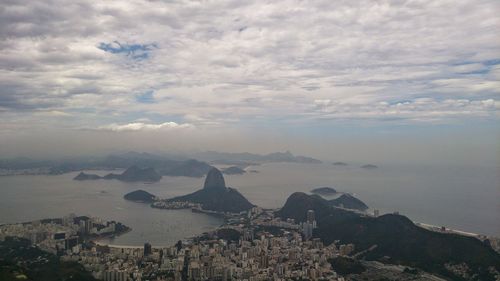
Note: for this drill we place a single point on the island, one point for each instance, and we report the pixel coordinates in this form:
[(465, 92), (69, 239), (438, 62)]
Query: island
[(369, 166), (215, 196), (348, 201), (140, 196), (339, 164), (233, 170), (132, 174), (324, 191), (84, 176)]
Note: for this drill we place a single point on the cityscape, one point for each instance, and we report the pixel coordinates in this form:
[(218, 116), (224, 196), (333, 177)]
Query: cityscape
[(227, 140)]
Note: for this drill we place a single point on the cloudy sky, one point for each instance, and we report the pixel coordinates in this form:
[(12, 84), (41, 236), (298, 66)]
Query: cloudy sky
[(248, 75)]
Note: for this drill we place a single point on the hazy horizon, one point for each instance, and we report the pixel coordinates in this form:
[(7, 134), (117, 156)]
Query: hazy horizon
[(372, 81)]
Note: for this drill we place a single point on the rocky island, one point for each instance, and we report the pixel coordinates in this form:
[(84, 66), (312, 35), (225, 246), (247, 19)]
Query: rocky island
[(215, 196), (233, 170), (324, 191), (140, 196), (369, 166), (84, 176)]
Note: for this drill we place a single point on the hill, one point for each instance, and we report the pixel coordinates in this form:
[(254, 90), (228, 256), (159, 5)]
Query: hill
[(398, 240), (215, 196), (349, 202), (83, 176), (136, 174), (233, 170), (140, 196)]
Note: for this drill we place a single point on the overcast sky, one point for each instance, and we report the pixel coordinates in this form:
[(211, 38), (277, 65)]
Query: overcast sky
[(327, 78)]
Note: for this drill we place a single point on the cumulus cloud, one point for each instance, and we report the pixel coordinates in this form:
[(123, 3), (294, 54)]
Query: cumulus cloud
[(139, 126), (231, 62)]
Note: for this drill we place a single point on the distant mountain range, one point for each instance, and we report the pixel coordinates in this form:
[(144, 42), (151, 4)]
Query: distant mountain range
[(132, 174), (165, 164), (215, 196), (393, 238), (252, 158)]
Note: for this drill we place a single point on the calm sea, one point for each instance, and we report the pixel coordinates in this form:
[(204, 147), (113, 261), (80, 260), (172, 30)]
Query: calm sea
[(465, 198)]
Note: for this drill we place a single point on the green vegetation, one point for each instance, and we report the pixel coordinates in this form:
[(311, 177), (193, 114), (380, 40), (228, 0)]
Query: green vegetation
[(344, 265), (19, 260)]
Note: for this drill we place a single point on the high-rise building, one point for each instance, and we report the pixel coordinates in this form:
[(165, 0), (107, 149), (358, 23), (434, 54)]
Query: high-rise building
[(147, 249), (310, 216), (376, 213)]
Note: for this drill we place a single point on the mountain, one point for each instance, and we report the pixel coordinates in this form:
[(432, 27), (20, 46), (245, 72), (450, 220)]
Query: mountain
[(136, 174), (175, 166), (349, 202), (233, 170), (324, 191), (140, 196), (83, 176), (168, 165), (132, 174), (189, 168), (215, 196), (297, 205), (251, 158), (398, 240)]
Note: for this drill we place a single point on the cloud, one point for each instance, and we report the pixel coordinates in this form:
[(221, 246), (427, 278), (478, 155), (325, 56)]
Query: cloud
[(230, 63), (421, 110), (139, 126)]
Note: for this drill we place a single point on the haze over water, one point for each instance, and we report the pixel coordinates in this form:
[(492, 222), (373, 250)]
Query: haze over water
[(464, 198)]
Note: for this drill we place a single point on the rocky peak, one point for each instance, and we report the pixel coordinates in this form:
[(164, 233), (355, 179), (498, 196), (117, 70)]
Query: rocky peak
[(214, 179)]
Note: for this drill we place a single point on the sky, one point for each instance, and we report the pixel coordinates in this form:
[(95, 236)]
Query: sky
[(362, 80)]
